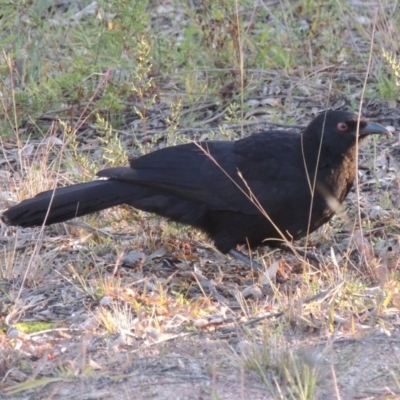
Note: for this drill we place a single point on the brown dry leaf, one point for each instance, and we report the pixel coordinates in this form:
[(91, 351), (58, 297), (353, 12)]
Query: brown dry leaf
[(94, 365), (396, 300), (270, 274)]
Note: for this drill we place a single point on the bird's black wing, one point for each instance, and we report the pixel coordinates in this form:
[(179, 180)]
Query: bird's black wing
[(222, 174)]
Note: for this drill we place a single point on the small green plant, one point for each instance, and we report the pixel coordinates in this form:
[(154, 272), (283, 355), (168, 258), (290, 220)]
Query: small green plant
[(394, 64), (143, 85), (33, 327), (233, 113), (113, 151), (173, 122), (388, 86), (87, 166), (280, 368)]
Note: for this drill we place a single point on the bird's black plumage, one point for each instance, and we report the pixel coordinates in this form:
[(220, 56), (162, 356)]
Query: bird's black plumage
[(209, 184)]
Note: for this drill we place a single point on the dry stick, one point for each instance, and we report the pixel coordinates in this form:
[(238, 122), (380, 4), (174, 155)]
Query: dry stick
[(14, 104), (361, 249), (249, 195), (205, 284), (241, 60), (313, 185)]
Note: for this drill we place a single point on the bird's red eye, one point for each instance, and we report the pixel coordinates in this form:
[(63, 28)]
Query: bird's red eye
[(342, 126)]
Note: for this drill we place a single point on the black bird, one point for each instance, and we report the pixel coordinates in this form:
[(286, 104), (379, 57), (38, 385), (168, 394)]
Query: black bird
[(263, 188)]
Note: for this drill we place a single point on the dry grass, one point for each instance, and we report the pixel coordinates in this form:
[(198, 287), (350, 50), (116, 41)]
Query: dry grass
[(127, 305)]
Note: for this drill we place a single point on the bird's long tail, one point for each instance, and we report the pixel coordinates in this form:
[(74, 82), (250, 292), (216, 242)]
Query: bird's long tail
[(62, 204)]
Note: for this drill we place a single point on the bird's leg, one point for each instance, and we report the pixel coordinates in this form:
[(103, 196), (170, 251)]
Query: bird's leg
[(244, 259)]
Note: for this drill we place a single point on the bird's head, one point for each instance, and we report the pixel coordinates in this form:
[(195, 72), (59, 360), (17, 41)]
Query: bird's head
[(338, 130)]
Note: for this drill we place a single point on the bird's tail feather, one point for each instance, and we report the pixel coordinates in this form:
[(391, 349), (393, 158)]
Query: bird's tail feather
[(62, 204)]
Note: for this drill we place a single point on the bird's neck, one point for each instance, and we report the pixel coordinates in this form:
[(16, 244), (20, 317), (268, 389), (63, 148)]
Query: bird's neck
[(335, 170), (337, 173)]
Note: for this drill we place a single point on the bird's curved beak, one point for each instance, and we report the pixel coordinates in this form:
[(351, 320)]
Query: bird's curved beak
[(373, 128)]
